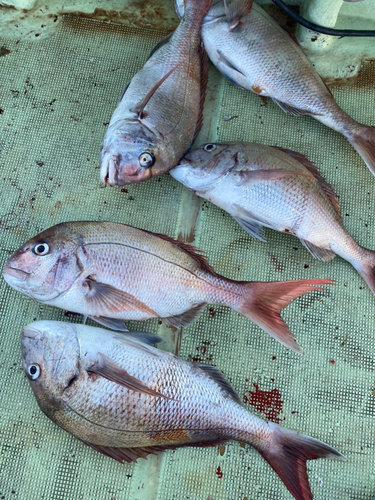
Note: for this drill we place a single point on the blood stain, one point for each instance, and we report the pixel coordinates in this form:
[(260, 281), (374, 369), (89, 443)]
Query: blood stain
[(267, 402), (332, 361), (219, 473)]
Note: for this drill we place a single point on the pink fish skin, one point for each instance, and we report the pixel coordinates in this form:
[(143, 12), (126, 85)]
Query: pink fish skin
[(263, 186), (261, 56), (127, 399), (113, 272), (160, 110)]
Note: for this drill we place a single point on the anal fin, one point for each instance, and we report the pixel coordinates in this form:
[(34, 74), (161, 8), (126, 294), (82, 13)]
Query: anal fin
[(290, 109), (323, 254), (185, 319), (113, 324)]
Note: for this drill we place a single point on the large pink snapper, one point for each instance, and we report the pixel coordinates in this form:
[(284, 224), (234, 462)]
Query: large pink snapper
[(160, 110), (127, 399), (253, 51), (113, 272), (277, 188)]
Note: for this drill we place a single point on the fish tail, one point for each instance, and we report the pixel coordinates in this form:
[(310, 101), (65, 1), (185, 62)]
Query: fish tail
[(287, 452), (263, 303), (366, 267), (363, 141)]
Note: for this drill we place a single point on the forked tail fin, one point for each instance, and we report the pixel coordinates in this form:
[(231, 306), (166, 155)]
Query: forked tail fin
[(364, 143), (287, 453), (263, 303)]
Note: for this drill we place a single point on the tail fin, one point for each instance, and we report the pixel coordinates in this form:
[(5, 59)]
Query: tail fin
[(364, 143), (263, 303), (287, 455), (366, 268)]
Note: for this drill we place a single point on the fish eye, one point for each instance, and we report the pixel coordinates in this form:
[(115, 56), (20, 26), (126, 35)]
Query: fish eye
[(33, 371), (41, 249), (146, 160), (210, 147)]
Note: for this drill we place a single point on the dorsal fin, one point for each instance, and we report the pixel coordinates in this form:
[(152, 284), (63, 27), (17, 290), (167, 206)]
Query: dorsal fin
[(215, 374), (287, 30), (203, 59), (327, 188), (292, 36), (160, 44), (194, 252), (140, 106)]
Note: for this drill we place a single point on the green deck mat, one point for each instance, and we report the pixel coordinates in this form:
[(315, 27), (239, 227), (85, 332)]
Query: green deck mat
[(56, 98)]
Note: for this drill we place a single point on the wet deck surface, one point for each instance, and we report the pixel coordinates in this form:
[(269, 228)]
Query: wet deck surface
[(57, 97)]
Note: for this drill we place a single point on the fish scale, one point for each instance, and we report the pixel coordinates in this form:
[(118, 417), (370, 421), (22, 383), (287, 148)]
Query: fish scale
[(194, 405), (112, 272), (261, 56), (302, 205)]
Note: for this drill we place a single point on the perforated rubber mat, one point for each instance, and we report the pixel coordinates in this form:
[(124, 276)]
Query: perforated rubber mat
[(56, 99)]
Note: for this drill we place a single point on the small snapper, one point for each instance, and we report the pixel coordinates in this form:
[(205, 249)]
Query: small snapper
[(127, 399), (253, 51), (113, 272), (273, 187), (160, 111)]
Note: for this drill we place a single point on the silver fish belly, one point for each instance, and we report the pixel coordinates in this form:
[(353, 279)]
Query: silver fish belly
[(127, 399), (262, 186)]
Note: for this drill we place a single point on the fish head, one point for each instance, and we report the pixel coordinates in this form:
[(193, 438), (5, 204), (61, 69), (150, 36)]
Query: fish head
[(130, 154), (200, 169), (45, 266), (51, 361)]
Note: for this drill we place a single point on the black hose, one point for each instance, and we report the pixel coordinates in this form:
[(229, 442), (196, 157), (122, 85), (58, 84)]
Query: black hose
[(315, 27)]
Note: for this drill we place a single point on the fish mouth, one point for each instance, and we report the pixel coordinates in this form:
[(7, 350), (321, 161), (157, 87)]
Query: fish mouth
[(108, 171), (15, 273)]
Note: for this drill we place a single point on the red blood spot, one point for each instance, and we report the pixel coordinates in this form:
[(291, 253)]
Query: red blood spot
[(219, 473), (211, 312), (272, 380), (294, 412), (273, 358), (124, 190), (332, 361), (267, 402)]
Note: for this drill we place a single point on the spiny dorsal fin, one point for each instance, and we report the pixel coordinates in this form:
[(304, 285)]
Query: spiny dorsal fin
[(194, 252), (235, 10), (203, 59), (140, 106), (327, 188), (160, 44), (215, 374)]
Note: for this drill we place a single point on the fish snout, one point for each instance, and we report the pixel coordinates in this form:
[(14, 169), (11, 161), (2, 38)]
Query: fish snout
[(13, 272)]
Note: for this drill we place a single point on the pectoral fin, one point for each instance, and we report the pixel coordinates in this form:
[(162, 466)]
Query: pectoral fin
[(109, 300), (110, 370), (140, 106), (244, 177)]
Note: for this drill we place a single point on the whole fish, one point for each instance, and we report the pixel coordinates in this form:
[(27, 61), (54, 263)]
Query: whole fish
[(112, 272), (127, 399), (160, 111), (258, 54), (274, 187)]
